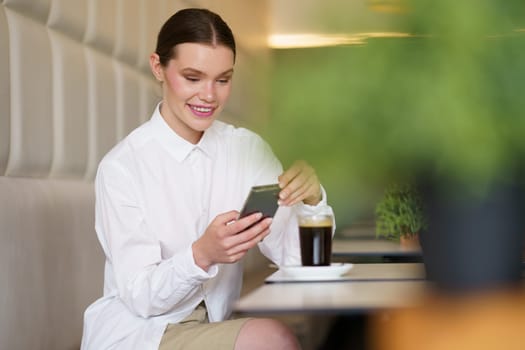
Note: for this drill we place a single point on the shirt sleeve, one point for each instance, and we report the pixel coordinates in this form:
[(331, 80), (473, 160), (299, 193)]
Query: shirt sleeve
[(147, 284)]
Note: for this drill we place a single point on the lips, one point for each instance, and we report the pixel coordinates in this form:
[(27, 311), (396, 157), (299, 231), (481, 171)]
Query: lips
[(202, 111)]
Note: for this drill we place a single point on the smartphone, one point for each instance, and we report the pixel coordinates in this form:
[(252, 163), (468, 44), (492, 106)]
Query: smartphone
[(262, 199)]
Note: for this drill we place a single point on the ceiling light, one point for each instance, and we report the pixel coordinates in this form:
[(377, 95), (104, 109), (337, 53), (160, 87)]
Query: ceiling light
[(291, 41), (287, 41)]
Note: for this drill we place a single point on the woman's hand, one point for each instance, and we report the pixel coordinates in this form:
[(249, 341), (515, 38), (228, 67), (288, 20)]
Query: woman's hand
[(226, 240), (299, 183)]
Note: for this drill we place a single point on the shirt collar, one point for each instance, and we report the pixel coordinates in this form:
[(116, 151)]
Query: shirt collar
[(178, 146)]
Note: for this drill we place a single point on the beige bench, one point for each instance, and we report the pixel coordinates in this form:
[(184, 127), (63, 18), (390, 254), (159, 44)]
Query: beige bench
[(51, 264)]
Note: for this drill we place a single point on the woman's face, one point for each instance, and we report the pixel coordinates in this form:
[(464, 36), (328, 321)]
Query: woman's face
[(195, 86)]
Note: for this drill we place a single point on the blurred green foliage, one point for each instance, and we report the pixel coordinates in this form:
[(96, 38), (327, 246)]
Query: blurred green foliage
[(400, 212), (447, 100)]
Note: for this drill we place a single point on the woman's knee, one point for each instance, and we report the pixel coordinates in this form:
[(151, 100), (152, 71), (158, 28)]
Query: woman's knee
[(265, 333)]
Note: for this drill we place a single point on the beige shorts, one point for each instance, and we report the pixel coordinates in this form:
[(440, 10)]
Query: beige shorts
[(195, 332)]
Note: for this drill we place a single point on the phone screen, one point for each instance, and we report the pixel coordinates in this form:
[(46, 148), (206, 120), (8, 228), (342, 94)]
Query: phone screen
[(262, 199)]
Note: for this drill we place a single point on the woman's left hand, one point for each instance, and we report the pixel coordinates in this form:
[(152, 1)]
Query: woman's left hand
[(299, 183)]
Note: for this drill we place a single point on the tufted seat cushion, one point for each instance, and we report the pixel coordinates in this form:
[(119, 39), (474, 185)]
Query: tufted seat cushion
[(51, 264)]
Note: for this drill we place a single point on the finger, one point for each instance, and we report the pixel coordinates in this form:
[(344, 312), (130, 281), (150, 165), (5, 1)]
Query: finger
[(233, 258), (225, 218), (299, 183), (222, 225), (252, 232), (260, 237), (242, 224), (264, 234), (247, 245), (298, 195), (306, 186), (291, 173), (310, 189)]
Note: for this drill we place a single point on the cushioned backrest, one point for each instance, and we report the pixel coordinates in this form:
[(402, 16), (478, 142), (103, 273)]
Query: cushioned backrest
[(69, 107), (31, 137), (69, 17), (100, 29), (150, 95), (128, 101), (5, 96), (127, 30), (36, 9), (153, 17), (101, 107)]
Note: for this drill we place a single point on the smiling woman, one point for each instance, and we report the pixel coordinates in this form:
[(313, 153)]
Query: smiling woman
[(85, 66), (167, 198)]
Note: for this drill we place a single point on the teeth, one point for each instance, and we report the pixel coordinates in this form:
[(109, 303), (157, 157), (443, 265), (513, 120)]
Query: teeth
[(202, 109)]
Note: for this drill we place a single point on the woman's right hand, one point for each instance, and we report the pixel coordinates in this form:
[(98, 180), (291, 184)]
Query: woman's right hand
[(226, 240)]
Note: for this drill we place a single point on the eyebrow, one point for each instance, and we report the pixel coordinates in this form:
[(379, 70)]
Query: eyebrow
[(196, 71)]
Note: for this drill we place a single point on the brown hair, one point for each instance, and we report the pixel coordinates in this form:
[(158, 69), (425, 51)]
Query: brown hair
[(192, 25)]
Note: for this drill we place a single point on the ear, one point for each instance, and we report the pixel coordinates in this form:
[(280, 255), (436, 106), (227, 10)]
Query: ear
[(156, 67)]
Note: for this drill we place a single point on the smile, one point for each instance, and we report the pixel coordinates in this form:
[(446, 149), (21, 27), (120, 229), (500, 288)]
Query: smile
[(201, 111)]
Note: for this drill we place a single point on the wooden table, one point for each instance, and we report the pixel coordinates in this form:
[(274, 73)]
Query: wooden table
[(354, 249), (365, 288)]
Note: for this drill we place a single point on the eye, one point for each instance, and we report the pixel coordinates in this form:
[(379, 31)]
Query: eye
[(223, 80), (192, 79)]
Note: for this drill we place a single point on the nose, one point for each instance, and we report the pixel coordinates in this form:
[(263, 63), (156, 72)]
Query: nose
[(208, 93)]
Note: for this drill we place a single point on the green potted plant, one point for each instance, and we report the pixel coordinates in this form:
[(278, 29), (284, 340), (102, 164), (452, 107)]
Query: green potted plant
[(400, 215)]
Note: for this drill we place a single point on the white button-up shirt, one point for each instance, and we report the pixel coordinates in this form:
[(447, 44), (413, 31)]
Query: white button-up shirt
[(156, 194)]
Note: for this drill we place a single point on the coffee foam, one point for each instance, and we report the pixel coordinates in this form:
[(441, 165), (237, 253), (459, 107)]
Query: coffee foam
[(315, 221)]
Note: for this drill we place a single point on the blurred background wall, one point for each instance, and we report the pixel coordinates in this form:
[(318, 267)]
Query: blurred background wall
[(380, 91)]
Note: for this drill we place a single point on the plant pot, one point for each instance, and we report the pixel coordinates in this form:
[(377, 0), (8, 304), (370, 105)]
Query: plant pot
[(409, 241), (473, 241)]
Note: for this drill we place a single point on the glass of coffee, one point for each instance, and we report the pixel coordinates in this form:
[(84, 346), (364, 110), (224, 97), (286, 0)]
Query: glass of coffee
[(315, 237)]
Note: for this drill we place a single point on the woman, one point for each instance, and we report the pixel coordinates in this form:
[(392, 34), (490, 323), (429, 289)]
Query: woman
[(165, 208)]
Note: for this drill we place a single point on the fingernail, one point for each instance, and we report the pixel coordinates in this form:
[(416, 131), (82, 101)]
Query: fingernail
[(279, 202), (282, 195)]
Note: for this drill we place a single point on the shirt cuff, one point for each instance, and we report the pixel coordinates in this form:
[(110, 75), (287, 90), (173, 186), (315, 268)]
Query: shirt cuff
[(196, 271), (314, 209)]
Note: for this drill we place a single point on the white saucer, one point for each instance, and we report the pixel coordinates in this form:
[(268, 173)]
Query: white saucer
[(316, 272)]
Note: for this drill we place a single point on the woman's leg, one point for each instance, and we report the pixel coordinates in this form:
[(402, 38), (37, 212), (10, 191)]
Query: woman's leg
[(262, 333)]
